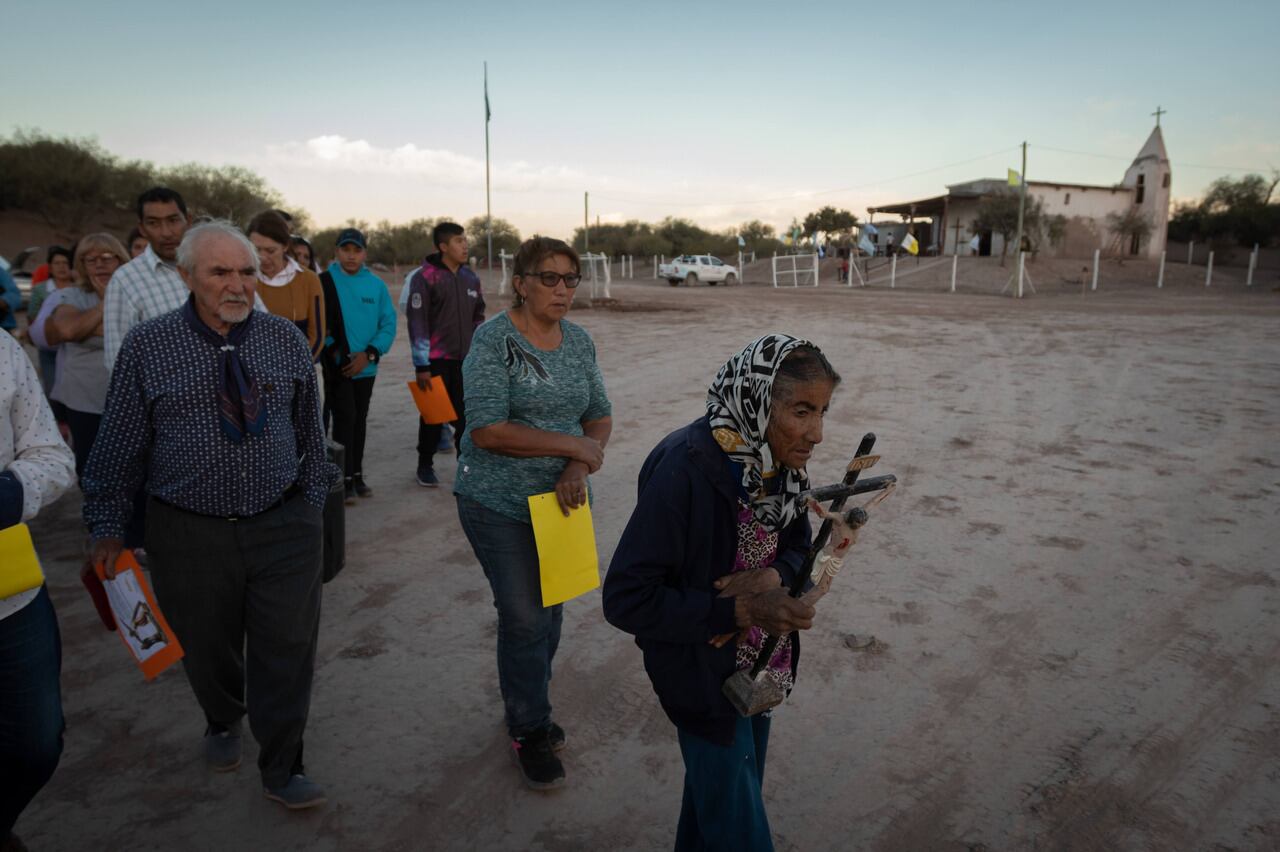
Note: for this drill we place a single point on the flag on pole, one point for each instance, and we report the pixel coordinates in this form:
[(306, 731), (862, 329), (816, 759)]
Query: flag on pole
[(741, 242), (975, 243), (1014, 177), (910, 243), (866, 246), (486, 94), (868, 228)]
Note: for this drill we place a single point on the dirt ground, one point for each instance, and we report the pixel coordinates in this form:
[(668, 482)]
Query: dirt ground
[(1077, 643)]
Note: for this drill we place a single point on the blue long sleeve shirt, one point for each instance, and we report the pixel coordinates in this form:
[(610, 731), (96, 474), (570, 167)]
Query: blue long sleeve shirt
[(368, 314), (12, 300), (161, 420)]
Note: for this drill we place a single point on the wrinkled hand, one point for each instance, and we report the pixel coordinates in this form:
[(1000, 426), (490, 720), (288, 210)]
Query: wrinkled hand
[(356, 365), (105, 551), (424, 381), (589, 452), (571, 488), (751, 582), (774, 611)]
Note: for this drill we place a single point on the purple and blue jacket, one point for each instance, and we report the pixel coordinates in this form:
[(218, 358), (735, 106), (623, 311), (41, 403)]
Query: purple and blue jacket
[(444, 309)]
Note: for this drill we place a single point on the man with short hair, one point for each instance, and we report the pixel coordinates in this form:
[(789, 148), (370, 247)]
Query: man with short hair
[(149, 285), (215, 404), (445, 308), (362, 325)]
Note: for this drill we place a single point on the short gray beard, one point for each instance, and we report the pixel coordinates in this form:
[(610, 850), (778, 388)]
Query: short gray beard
[(233, 313)]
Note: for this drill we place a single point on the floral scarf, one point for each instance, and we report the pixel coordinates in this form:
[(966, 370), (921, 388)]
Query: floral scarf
[(738, 405)]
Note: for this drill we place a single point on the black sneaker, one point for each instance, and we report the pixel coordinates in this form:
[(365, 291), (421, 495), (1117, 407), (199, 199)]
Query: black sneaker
[(536, 757), (349, 494), (362, 490), (427, 477), (555, 734)]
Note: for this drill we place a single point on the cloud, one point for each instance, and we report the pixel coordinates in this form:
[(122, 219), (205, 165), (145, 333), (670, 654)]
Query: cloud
[(338, 154)]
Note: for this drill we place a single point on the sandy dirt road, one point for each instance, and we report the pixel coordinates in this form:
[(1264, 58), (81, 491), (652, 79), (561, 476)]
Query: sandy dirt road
[(1074, 596)]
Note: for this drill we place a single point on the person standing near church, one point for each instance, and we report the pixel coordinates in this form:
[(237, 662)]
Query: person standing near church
[(445, 308), (214, 404), (362, 326)]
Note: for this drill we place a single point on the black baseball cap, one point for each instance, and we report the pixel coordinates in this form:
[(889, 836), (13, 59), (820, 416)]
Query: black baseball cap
[(351, 235)]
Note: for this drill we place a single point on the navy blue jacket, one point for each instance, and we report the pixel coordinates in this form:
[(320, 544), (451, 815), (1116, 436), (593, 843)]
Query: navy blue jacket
[(682, 537)]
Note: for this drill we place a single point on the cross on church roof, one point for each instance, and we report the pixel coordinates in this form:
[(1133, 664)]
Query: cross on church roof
[(1159, 112)]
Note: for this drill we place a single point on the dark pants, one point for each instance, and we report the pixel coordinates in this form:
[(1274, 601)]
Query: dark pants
[(723, 808), (84, 431), (231, 587), (528, 632), (349, 402), (449, 372), (31, 720)]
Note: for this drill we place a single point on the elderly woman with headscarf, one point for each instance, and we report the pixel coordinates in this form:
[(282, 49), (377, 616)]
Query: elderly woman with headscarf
[(698, 576)]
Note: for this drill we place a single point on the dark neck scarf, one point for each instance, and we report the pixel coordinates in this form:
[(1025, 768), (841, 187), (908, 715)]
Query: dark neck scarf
[(240, 409)]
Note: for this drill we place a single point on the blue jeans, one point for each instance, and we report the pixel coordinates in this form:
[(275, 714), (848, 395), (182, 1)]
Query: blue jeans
[(723, 808), (31, 722), (528, 632)]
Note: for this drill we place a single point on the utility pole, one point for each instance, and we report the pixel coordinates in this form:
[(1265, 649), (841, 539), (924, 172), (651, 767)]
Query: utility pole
[(586, 223), (488, 206), (1022, 201)]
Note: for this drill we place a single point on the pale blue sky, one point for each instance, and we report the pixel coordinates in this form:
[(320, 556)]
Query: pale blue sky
[(717, 111)]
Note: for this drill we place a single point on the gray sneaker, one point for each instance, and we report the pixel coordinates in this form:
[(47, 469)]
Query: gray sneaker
[(222, 751), (298, 793)]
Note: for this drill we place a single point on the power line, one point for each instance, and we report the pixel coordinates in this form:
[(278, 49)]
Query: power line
[(1130, 159), (650, 203)]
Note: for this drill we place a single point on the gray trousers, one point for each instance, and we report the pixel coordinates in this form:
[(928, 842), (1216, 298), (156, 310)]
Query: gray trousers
[(224, 585)]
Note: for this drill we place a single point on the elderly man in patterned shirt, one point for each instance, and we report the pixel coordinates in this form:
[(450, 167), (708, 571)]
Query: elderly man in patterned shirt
[(214, 404)]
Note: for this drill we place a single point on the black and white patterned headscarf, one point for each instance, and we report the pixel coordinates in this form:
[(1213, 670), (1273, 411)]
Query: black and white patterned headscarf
[(738, 405)]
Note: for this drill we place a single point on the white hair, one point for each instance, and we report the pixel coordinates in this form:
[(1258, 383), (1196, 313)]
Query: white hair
[(197, 234)]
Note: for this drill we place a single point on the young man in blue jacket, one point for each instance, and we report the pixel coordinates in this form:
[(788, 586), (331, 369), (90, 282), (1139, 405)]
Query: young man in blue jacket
[(445, 307), (362, 326)]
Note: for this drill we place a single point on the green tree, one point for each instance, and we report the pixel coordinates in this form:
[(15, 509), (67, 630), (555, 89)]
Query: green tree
[(1129, 228), (505, 237), (233, 193), (835, 224), (65, 181), (998, 213)]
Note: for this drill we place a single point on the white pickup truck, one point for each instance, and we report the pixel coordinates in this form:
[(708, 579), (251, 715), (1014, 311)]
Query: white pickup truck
[(692, 268)]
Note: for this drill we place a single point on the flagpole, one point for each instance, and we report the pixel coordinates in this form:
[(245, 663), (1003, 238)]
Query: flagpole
[(488, 207)]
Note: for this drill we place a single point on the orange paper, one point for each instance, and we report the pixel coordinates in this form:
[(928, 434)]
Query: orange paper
[(142, 627), (433, 404)]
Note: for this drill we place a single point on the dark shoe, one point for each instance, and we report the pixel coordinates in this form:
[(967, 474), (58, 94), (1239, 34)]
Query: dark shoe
[(362, 490), (299, 792), (349, 494), (537, 760), (222, 751), (427, 477), (13, 844), (555, 734)]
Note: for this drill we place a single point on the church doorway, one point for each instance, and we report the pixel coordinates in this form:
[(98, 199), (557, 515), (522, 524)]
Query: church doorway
[(984, 244)]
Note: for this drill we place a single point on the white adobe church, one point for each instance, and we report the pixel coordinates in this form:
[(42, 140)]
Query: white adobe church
[(1085, 207)]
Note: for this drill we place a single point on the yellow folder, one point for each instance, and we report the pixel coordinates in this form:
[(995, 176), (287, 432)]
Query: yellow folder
[(566, 549), (19, 567)]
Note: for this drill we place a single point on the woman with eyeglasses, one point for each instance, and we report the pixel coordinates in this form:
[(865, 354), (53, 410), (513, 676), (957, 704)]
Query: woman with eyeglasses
[(71, 321), (537, 421)]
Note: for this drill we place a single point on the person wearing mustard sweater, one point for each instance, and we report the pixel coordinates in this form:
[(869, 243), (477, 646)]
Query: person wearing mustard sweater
[(287, 290)]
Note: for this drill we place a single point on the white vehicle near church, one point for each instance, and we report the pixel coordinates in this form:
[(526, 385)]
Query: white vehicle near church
[(692, 268)]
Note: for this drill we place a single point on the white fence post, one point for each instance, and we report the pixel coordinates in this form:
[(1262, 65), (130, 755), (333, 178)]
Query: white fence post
[(1253, 262), (655, 267), (1160, 277), (1097, 253), (815, 270), (774, 265), (1190, 248), (955, 259), (893, 270), (1022, 263), (1208, 272)]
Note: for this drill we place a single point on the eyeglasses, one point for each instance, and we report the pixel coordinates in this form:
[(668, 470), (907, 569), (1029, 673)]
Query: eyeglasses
[(551, 279), (101, 259)]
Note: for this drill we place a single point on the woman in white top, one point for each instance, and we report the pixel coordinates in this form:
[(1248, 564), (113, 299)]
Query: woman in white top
[(35, 468)]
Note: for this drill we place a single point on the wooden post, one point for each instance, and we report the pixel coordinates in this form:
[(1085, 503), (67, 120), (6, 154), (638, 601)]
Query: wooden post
[(1160, 277), (1208, 272), (1096, 254), (1253, 262), (1190, 248), (1022, 262), (955, 259)]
